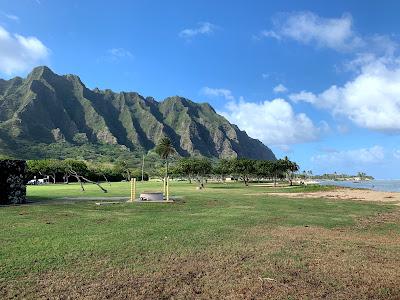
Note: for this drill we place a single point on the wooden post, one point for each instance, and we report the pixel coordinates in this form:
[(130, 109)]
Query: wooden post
[(143, 168), (164, 186), (167, 185), (133, 189)]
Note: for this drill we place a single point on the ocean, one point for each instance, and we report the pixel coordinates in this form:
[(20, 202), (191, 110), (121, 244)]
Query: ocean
[(376, 185)]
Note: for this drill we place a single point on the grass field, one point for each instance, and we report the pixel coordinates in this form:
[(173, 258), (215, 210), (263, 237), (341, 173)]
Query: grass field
[(227, 241)]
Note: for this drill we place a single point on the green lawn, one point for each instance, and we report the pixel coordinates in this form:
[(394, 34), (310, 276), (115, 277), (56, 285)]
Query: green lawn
[(224, 241)]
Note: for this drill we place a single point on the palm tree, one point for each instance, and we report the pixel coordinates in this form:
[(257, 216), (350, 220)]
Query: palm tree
[(165, 149)]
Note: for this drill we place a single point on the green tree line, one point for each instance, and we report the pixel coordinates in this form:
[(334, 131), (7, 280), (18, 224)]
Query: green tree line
[(241, 168)]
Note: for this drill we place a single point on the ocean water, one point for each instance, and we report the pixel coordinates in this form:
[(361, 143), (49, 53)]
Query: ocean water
[(376, 185)]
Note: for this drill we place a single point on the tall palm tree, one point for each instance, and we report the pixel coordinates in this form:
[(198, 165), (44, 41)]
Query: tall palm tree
[(165, 149)]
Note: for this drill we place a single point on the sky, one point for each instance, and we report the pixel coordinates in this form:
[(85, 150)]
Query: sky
[(318, 81)]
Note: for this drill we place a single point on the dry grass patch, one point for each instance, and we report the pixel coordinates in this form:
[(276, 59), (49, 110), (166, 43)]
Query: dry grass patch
[(273, 263)]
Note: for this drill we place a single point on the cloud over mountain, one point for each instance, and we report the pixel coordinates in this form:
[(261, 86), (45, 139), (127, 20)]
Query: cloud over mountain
[(20, 53), (273, 122)]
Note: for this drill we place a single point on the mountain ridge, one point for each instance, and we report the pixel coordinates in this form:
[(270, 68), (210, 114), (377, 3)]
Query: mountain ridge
[(48, 108)]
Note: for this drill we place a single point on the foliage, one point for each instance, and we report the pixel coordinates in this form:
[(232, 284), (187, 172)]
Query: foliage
[(222, 168), (290, 168), (194, 167), (165, 149), (244, 168)]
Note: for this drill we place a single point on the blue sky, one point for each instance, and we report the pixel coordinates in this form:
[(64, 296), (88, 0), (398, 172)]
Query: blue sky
[(318, 81)]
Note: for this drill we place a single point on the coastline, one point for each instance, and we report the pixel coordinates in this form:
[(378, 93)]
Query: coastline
[(376, 185), (341, 193)]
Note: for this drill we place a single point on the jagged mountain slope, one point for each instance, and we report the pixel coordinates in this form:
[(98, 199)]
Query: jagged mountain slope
[(47, 108)]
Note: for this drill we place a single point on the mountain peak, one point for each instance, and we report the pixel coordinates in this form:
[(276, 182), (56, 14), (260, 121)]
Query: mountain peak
[(41, 72), (59, 106)]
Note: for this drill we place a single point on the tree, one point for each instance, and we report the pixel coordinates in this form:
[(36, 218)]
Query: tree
[(361, 175), (101, 171), (264, 168), (165, 149), (79, 169), (289, 168), (222, 168), (122, 167), (185, 167), (194, 167), (278, 169), (201, 167), (243, 167), (46, 168)]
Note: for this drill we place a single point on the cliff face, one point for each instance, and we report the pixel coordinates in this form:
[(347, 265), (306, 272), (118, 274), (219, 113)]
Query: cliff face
[(48, 108)]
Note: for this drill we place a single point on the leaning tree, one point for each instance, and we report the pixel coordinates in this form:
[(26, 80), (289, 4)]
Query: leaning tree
[(290, 168), (78, 169)]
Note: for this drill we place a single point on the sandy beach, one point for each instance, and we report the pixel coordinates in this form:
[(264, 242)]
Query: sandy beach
[(347, 194)]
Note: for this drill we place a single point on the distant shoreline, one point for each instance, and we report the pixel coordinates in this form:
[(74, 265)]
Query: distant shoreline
[(381, 185)]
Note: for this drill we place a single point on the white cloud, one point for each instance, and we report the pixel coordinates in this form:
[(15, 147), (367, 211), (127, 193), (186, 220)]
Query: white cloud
[(273, 122), (280, 88), (201, 29), (303, 96), (19, 53), (270, 34), (307, 27), (265, 75), (350, 158), (396, 154), (119, 53), (11, 17), (370, 100), (217, 92)]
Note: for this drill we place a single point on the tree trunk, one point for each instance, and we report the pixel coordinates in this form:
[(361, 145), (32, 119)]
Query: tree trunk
[(166, 168), (105, 177), (48, 176), (66, 178), (80, 182), (54, 178), (96, 183), (79, 177)]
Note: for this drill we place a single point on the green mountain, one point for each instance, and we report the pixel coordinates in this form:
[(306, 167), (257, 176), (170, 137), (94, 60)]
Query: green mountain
[(46, 114)]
